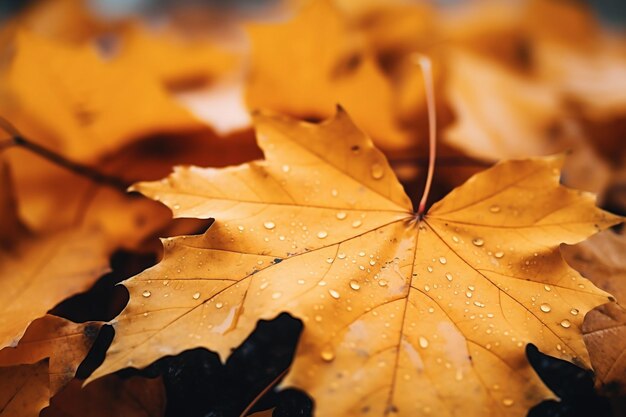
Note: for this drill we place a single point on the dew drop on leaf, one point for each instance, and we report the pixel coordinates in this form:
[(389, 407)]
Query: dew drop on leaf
[(354, 285), (341, 215), (377, 171), (565, 324), (545, 308), (478, 241), (269, 225), (423, 342), (146, 293)]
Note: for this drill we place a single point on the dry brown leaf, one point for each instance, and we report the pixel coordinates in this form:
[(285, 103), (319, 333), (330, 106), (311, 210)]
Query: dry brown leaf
[(401, 314), (498, 114), (24, 390), (601, 259), (65, 343), (110, 396), (316, 70), (78, 104), (37, 272)]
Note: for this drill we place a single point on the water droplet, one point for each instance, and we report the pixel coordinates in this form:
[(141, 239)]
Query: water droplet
[(448, 276), (329, 260), (341, 215), (341, 256), (277, 295), (545, 308), (334, 192), (566, 324), (327, 354), (219, 304), (322, 234), (382, 282), (574, 311), (334, 294), (176, 207), (499, 254), (478, 241), (495, 208), (356, 223), (507, 402), (301, 281), (354, 285), (468, 294), (423, 342), (443, 260), (455, 239), (377, 171), (547, 288), (146, 293), (269, 225), (361, 253), (372, 262), (286, 168), (196, 296), (240, 228), (429, 268)]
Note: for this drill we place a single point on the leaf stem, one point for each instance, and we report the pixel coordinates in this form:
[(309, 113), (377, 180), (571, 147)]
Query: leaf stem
[(426, 66), (263, 392), (83, 170)]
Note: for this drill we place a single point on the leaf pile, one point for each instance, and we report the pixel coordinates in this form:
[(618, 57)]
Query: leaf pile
[(279, 157)]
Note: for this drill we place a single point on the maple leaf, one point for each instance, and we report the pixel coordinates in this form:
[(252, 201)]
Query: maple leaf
[(24, 389), (61, 341), (37, 272), (498, 114), (53, 96), (402, 315), (313, 71), (173, 60), (601, 259)]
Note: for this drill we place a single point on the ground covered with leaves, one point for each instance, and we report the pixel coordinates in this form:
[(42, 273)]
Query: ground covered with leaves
[(365, 209)]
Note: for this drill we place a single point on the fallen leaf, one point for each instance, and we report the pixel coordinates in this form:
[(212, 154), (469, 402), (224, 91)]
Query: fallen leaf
[(110, 396), (172, 59), (24, 390), (37, 272), (401, 314), (498, 114), (66, 344), (312, 72), (601, 259), (54, 99)]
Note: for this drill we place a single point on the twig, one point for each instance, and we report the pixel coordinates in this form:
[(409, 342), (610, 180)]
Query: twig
[(83, 170)]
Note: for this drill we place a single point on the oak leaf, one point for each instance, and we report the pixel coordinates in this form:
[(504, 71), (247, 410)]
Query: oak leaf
[(314, 70), (403, 315), (601, 259)]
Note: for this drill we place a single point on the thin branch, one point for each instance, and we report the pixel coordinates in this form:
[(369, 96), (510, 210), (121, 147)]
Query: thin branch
[(425, 64), (80, 169), (263, 392)]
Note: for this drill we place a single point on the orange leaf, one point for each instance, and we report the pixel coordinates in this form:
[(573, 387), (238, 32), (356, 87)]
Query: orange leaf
[(401, 314)]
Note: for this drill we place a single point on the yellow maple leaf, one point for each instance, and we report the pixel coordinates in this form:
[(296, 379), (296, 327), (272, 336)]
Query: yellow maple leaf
[(402, 314), (81, 105), (298, 69)]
